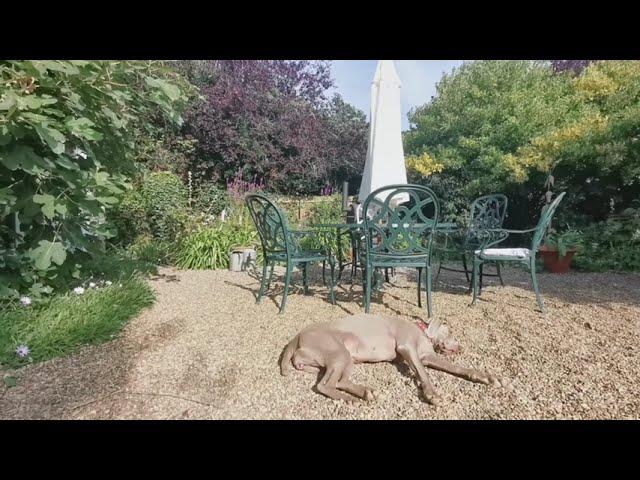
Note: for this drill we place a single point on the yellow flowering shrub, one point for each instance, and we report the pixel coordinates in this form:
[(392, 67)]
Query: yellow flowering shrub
[(423, 164), (544, 151), (603, 79)]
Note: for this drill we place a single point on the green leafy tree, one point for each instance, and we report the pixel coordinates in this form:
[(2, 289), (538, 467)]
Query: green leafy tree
[(68, 133), (483, 112)]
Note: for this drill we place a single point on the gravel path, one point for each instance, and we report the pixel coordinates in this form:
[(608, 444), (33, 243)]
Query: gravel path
[(206, 350)]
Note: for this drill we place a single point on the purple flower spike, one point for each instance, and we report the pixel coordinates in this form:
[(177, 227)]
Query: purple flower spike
[(22, 351)]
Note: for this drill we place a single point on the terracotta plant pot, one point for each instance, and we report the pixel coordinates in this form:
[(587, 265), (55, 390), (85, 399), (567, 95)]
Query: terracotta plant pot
[(553, 262)]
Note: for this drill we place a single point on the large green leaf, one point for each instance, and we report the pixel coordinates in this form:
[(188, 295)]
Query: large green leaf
[(107, 200), (5, 136), (46, 253), (82, 127), (168, 89), (34, 102), (55, 66), (102, 178), (65, 162), (51, 137), (8, 101), (22, 157), (47, 201)]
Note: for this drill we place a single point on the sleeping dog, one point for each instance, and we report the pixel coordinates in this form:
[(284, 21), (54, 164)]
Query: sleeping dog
[(338, 345)]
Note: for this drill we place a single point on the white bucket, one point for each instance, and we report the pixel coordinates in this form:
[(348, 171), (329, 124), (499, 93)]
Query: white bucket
[(242, 259)]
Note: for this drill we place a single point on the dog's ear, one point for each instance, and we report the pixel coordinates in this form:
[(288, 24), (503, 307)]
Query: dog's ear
[(287, 355), (434, 326)]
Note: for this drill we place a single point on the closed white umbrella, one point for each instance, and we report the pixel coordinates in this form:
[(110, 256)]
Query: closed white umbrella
[(385, 155)]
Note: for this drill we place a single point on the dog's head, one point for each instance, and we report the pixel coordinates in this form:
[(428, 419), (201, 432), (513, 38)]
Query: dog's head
[(304, 360), (442, 341)]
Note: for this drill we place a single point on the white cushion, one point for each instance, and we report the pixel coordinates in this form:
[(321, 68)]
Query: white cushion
[(505, 252)]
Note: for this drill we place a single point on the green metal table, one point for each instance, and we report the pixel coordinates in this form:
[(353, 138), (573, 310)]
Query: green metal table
[(342, 230), (350, 229)]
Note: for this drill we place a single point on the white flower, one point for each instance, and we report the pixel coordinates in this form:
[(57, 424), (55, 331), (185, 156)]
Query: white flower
[(78, 153), (108, 283), (92, 285), (120, 285), (25, 301), (22, 351), (78, 290)]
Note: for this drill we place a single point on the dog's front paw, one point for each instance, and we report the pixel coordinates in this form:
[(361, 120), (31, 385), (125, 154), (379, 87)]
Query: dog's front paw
[(433, 399), (483, 377)]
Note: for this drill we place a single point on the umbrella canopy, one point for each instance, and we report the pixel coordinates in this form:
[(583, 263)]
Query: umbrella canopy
[(385, 155)]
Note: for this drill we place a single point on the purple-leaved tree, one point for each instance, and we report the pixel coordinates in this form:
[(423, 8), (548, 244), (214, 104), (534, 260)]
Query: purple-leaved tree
[(272, 119)]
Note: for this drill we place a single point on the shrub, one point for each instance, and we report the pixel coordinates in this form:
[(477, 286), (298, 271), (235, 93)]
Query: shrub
[(271, 118), (68, 133), (209, 246), (131, 217), (328, 210), (165, 200), (611, 245), (147, 249), (210, 199)]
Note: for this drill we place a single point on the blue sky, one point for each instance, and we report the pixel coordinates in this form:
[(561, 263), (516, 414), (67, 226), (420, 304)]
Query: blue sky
[(419, 77)]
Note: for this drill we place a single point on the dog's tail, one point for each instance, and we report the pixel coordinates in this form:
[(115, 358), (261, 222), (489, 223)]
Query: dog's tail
[(287, 355)]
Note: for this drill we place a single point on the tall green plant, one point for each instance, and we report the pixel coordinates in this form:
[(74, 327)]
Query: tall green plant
[(209, 246), (327, 211)]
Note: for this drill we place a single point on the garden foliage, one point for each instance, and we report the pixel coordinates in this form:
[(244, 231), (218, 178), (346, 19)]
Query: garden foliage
[(68, 132), (524, 128)]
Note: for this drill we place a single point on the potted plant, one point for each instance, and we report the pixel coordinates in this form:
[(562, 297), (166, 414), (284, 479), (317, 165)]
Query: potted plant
[(559, 249)]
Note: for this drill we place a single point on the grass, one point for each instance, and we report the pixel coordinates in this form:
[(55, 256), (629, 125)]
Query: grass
[(68, 321)]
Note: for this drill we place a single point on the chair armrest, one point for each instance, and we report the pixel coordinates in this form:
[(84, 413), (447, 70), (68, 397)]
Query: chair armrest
[(306, 232), (490, 237), (530, 230)]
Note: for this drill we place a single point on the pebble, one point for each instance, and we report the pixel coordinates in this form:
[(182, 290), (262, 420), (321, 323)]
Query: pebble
[(209, 319)]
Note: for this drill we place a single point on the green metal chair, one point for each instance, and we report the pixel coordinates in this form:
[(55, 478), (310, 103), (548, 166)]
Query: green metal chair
[(280, 244), (486, 212), (399, 231), (489, 238)]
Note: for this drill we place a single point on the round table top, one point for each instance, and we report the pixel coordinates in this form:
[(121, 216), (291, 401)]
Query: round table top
[(444, 226)]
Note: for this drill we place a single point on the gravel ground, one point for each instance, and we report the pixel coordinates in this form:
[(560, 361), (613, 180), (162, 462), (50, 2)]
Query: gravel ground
[(206, 350)]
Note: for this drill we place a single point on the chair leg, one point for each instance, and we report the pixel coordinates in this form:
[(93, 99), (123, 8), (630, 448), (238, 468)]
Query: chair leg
[(332, 294), (263, 282), (367, 295), (354, 259), (324, 266), (481, 275), (438, 273), (466, 270), (386, 275), (534, 281), (419, 287), (474, 278), (429, 301), (499, 273), (287, 280), (273, 264), (305, 283)]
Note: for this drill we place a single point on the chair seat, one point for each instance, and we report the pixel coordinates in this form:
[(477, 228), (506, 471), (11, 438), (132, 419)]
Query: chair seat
[(504, 253), (399, 261)]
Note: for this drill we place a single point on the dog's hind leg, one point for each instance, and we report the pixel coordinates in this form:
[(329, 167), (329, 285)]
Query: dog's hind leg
[(347, 385), (337, 363), (433, 361), (361, 391)]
